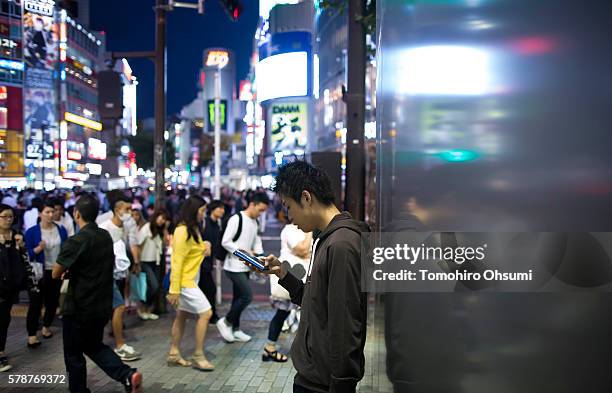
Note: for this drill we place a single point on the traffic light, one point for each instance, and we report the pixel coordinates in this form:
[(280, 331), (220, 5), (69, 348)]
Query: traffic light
[(233, 8)]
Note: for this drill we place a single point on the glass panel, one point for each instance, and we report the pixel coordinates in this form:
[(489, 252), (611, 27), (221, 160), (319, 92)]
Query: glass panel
[(488, 120)]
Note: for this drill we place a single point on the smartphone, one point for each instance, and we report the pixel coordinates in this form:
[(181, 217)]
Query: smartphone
[(251, 260)]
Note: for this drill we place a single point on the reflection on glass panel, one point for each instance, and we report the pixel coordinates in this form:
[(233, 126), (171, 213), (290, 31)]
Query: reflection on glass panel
[(494, 116)]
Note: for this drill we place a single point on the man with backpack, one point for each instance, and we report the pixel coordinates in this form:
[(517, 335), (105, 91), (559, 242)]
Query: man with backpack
[(241, 233)]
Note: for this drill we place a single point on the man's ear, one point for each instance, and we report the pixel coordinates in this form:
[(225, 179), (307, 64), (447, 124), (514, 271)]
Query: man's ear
[(307, 198)]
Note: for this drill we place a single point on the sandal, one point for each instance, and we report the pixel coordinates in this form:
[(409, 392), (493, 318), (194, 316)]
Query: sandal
[(176, 360), (274, 356), (200, 358), (34, 345)]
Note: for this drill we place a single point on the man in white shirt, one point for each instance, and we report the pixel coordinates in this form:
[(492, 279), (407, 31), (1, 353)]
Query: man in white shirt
[(121, 207), (244, 222), (130, 228), (30, 218), (61, 217)]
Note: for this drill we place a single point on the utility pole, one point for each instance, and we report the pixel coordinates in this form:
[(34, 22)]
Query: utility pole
[(218, 133), (355, 107), (160, 101)]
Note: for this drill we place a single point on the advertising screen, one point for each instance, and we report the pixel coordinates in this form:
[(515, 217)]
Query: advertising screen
[(273, 80), (210, 104), (289, 126), (40, 41)]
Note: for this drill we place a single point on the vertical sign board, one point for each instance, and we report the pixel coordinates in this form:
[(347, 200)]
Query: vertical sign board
[(40, 54), (288, 127)]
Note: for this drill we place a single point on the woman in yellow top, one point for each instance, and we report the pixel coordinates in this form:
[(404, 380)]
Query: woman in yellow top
[(188, 252)]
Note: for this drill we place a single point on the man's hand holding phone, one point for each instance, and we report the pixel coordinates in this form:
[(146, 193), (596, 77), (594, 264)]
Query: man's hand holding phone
[(275, 266)]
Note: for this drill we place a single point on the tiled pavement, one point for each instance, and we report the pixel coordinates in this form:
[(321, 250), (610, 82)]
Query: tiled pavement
[(238, 365)]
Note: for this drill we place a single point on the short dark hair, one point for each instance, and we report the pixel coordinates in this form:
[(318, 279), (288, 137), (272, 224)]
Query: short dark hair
[(49, 202), (116, 198), (298, 176), (57, 202), (88, 207), (215, 204), (258, 197), (37, 203), (4, 207)]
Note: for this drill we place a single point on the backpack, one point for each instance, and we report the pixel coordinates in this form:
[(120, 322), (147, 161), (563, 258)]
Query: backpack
[(13, 273), (221, 252)]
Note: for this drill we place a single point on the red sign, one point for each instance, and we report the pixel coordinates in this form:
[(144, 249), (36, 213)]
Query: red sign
[(74, 155), (11, 99)]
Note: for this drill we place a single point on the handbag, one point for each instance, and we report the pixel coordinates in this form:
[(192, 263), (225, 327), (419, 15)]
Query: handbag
[(64, 288), (138, 287), (38, 270)]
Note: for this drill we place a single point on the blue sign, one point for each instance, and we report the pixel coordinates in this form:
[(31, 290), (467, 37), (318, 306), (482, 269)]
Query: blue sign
[(12, 65), (292, 41)]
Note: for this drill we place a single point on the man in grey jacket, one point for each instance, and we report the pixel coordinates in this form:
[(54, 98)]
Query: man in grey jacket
[(327, 351)]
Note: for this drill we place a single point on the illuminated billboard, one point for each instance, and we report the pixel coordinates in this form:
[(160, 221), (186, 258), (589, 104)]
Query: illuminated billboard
[(288, 127), (281, 52), (273, 80), (265, 6), (222, 114)]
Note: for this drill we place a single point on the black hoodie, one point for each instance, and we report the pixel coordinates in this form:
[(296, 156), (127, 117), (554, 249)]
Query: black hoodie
[(327, 351)]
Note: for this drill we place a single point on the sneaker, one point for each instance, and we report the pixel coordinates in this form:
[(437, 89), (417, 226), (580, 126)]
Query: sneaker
[(133, 383), (241, 336), (143, 315), (4, 364), (127, 353), (152, 317), (225, 330)]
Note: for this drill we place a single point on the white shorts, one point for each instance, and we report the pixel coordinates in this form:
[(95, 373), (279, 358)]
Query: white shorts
[(192, 300)]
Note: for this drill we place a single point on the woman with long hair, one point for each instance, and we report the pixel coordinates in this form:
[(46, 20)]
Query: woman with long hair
[(151, 240), (44, 241), (13, 254), (188, 252)]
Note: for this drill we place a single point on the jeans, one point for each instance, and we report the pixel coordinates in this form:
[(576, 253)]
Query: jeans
[(49, 296), (276, 324), (208, 286), (243, 295), (5, 320), (86, 338), (118, 290), (152, 272)]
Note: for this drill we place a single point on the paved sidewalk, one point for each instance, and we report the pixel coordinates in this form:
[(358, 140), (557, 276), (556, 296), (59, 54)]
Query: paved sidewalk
[(238, 365)]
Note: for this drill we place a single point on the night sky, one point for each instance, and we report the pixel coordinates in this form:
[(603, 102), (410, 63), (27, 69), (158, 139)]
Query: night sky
[(130, 26)]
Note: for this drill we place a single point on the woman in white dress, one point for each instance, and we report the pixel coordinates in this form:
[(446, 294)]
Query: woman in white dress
[(295, 250), (188, 252)]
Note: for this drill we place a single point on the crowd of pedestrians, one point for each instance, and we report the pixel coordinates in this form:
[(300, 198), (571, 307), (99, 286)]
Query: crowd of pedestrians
[(88, 254)]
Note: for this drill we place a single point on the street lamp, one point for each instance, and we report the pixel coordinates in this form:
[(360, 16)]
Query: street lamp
[(219, 59)]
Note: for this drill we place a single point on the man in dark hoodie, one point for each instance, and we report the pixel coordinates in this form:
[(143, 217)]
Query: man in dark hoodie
[(327, 351)]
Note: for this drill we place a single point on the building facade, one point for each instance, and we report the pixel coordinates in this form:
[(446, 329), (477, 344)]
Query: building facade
[(51, 133)]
